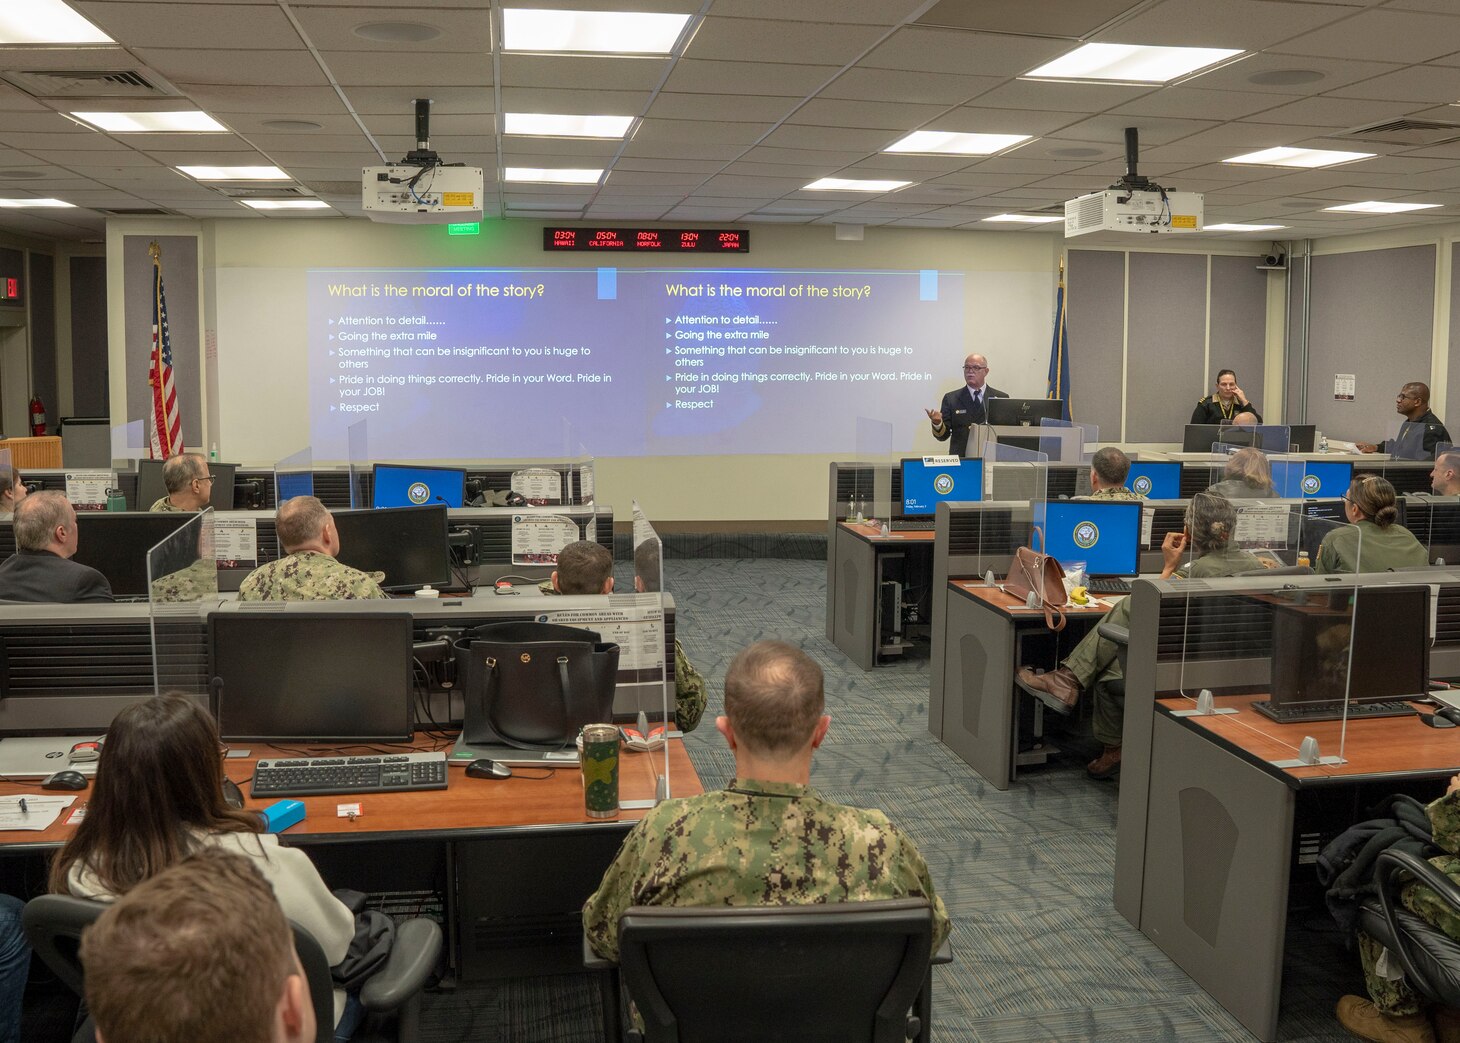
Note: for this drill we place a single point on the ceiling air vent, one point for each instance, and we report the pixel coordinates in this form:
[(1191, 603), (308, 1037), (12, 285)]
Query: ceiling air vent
[(90, 83), (1407, 132)]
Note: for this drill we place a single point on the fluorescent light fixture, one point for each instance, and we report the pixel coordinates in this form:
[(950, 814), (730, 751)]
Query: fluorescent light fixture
[(948, 143), (1375, 206), (46, 21), (543, 124), (1298, 157), (20, 204), (1241, 228), (598, 32), (1026, 219), (1129, 63), (235, 173), (287, 204), (842, 184), (563, 176), (191, 121)]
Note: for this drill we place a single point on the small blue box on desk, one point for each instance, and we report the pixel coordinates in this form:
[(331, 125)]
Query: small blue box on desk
[(282, 814)]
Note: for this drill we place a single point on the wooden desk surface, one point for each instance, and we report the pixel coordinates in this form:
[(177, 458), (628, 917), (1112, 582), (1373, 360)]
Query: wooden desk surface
[(873, 533), (465, 807), (1014, 607), (1373, 747)]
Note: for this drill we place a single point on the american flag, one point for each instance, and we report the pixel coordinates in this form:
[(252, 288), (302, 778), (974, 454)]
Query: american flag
[(166, 427)]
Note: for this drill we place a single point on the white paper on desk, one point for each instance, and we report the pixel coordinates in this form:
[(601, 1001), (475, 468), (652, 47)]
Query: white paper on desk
[(536, 539), (636, 627), (1262, 525), (235, 539), (40, 811)]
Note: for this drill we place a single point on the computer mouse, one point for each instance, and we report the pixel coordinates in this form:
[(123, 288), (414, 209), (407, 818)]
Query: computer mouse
[(1449, 713), (485, 769), (65, 780), (1435, 720), (232, 795)]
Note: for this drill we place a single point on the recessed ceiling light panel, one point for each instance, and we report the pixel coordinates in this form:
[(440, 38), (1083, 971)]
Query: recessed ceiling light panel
[(286, 204), (191, 121), (540, 124), (590, 32), (942, 142), (1025, 219), (842, 184), (1298, 157), (1130, 63), (1375, 206), (558, 176), (1241, 228), (46, 21), (25, 204), (208, 173)]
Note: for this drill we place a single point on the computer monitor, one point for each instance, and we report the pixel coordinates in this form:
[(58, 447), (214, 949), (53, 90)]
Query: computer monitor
[(1023, 412), (151, 487), (1301, 437), (408, 544), (1388, 628), (116, 544), (1155, 479), (1305, 479), (289, 484), (1106, 536), (924, 486), (400, 485), (318, 676)]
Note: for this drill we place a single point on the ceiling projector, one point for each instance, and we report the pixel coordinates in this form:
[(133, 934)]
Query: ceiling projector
[(421, 189), (1133, 204)]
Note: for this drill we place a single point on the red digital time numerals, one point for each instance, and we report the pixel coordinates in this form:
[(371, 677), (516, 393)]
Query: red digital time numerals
[(673, 239), (12, 289)]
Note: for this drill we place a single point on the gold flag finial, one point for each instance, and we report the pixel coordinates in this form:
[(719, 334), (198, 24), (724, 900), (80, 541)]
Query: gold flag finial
[(154, 251)]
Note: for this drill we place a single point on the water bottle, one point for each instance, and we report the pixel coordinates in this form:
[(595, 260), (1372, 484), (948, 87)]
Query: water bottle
[(1322, 442)]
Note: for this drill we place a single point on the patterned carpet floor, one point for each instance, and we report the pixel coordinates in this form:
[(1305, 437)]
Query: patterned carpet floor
[(1040, 953)]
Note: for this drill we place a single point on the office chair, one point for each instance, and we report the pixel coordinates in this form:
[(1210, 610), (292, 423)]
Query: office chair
[(392, 997), (844, 972), (1429, 956)]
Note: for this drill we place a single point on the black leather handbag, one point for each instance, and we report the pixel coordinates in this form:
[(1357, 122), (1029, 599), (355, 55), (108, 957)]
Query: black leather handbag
[(534, 685)]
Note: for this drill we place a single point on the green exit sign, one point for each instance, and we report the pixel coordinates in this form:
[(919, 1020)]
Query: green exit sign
[(465, 228)]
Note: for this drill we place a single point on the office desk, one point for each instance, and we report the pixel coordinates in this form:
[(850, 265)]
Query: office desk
[(513, 859), (1220, 838), (983, 637), (860, 559)]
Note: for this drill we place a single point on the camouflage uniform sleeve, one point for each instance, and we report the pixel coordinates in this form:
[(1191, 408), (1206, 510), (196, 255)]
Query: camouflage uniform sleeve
[(615, 894), (917, 882), (1445, 826), (690, 693)]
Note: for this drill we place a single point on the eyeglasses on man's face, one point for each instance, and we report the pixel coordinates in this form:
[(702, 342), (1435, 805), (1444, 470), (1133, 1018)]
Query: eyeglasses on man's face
[(975, 369)]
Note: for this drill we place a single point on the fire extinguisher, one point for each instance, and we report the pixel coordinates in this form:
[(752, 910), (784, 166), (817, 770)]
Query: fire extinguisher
[(37, 416)]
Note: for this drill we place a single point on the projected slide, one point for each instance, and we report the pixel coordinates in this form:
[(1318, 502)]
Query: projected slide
[(496, 363)]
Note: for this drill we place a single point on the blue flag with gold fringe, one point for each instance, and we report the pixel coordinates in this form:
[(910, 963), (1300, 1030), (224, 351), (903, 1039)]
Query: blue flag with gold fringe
[(1059, 352)]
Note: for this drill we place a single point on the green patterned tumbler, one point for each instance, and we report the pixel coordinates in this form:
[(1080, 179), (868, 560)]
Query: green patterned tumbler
[(600, 770)]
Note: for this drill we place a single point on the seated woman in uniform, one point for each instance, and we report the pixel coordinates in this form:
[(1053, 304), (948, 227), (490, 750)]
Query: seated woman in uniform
[(1374, 541), (1247, 476), (158, 796), (1210, 522)]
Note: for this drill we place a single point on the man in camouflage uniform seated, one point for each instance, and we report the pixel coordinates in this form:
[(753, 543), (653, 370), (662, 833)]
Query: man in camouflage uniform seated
[(587, 568), (1108, 470), (189, 484), (309, 572), (1395, 1013), (768, 838)]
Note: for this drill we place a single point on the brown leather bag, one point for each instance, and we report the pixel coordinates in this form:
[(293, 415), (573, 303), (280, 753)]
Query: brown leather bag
[(1033, 570)]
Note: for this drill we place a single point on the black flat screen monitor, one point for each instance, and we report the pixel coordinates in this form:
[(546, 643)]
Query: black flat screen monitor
[(402, 485), (116, 545), (408, 544), (281, 676), (1025, 412), (151, 487), (1390, 654)]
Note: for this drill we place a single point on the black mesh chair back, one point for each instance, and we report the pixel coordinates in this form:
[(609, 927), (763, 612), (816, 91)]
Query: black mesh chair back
[(1429, 956)]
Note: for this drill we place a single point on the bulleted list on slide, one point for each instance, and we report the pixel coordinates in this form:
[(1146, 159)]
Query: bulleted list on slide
[(490, 360)]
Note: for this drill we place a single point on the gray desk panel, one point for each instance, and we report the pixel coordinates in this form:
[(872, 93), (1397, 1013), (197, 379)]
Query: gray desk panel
[(978, 703)]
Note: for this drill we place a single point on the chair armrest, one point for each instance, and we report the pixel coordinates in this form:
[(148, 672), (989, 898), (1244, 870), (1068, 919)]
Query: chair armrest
[(412, 958), (1114, 632), (944, 953), (592, 961), (1391, 863)]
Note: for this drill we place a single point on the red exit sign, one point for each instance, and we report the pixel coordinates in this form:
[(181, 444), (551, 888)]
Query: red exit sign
[(664, 240)]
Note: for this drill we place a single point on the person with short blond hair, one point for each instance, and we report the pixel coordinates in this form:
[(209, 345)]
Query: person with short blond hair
[(1445, 475), (41, 569), (309, 570), (768, 838), (189, 484), (199, 953), (12, 491), (1248, 475)]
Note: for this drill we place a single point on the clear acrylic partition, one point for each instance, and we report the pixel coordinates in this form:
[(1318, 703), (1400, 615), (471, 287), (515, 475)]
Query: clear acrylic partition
[(1068, 442), (584, 487), (1407, 442), (182, 578), (1015, 484), (357, 448), (129, 442), (870, 498), (1241, 471), (294, 476), (1270, 438), (1433, 517), (1281, 642), (651, 662)]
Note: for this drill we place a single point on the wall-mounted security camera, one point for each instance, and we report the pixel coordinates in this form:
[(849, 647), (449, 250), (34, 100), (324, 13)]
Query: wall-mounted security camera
[(1276, 261)]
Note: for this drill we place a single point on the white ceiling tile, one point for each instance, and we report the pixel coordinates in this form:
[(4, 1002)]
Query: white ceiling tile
[(1335, 112), (1250, 25), (243, 26), (332, 29), (582, 73), (749, 77), (1253, 73), (443, 124), (1419, 83), (568, 101), (974, 119), (720, 107), (958, 51), (699, 132), (789, 42), (1029, 17), (1387, 35), (807, 157), (685, 165), (869, 12), (805, 171), (839, 138), (1059, 97), (285, 102), (926, 88), (294, 68), (825, 112), (1192, 103), (365, 69), (563, 149), (673, 150)]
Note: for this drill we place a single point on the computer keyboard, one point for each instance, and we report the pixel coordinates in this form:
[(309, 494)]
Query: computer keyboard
[(327, 776), (1108, 585), (910, 525), (1331, 710)]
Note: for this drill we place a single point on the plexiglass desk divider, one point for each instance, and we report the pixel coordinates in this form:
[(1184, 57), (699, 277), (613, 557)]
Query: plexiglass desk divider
[(649, 584), (294, 476), (357, 448), (1067, 442), (182, 580)]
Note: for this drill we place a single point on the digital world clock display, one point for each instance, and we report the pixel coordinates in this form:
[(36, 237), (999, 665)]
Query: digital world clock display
[(662, 240)]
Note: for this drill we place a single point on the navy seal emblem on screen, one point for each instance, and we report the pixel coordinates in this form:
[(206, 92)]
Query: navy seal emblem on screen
[(418, 492), (1311, 484), (1142, 485), (1086, 535), (943, 484)]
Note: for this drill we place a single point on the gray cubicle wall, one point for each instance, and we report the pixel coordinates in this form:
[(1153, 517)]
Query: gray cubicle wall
[(1238, 329), (1371, 314), (1452, 384), (1167, 308), (1095, 320)]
